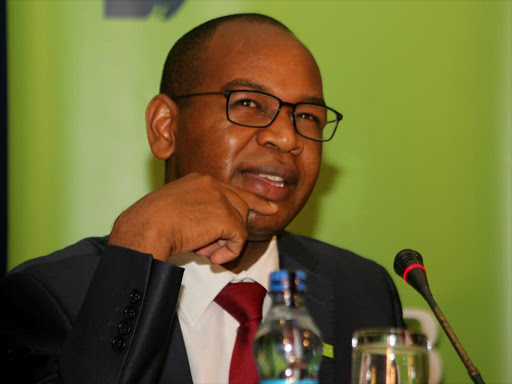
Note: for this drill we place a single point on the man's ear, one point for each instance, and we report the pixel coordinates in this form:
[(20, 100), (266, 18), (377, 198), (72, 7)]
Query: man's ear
[(161, 125)]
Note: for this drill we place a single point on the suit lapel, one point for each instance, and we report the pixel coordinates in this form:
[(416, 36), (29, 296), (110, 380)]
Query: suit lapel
[(320, 295), (176, 368)]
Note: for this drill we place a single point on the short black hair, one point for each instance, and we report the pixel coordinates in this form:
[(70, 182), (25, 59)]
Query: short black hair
[(181, 69)]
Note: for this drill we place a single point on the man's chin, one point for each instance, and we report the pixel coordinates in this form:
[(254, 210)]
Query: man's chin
[(263, 231), (261, 227), (256, 237)]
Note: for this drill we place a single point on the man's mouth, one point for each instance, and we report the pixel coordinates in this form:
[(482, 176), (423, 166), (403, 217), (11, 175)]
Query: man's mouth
[(276, 181), (272, 182)]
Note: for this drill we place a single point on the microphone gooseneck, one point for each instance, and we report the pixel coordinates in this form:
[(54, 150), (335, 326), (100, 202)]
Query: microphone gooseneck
[(409, 266)]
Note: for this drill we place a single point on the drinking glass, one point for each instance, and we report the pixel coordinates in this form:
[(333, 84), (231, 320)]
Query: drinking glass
[(389, 356)]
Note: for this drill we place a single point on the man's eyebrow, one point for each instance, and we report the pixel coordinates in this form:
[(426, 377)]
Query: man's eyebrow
[(258, 87), (245, 83), (314, 100)]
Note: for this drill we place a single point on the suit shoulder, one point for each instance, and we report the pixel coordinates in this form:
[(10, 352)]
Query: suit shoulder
[(329, 257), (358, 283), (64, 275), (86, 251)]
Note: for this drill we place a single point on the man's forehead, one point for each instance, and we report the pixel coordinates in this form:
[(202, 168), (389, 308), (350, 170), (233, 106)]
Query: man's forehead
[(261, 57), (239, 35)]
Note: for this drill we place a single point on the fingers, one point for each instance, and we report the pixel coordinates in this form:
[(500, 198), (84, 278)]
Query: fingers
[(210, 248), (231, 250), (194, 213), (255, 203), (229, 245), (219, 252), (223, 255), (234, 234)]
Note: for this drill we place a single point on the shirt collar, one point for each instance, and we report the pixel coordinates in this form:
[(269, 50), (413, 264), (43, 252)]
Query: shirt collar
[(202, 281)]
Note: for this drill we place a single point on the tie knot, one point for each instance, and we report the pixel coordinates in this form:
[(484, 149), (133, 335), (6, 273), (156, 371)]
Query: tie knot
[(243, 301)]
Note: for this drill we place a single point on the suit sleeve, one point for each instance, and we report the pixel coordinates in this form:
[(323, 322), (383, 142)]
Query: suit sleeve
[(120, 334)]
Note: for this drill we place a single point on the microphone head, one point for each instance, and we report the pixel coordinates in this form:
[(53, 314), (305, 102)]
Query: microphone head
[(409, 264), (404, 259)]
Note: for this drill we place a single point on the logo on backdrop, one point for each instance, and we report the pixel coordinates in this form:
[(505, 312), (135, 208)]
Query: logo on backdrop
[(140, 8)]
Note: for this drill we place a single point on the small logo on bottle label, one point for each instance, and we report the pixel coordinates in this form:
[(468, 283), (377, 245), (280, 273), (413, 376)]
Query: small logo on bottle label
[(328, 351)]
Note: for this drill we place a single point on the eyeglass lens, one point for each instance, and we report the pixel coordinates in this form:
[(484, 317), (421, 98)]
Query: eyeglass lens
[(258, 110)]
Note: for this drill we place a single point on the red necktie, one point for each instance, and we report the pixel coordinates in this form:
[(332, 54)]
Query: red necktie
[(243, 301)]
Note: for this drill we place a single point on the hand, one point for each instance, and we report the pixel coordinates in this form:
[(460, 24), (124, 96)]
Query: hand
[(194, 213)]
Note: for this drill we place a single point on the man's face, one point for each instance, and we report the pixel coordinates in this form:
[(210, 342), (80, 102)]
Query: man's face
[(262, 58)]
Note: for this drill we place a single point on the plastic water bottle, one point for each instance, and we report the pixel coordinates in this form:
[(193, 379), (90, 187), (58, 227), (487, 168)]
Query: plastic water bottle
[(287, 346)]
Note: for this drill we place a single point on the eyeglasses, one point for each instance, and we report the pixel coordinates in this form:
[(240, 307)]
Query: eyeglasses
[(259, 110)]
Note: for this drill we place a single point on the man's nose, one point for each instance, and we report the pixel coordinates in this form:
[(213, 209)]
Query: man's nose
[(281, 134)]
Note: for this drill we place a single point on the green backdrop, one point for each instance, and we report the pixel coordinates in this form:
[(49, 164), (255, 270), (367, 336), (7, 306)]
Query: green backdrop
[(421, 160)]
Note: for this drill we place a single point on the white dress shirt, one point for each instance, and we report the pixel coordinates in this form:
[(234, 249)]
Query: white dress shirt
[(208, 330)]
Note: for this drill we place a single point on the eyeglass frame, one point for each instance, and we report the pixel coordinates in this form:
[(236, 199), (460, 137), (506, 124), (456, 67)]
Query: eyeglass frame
[(227, 94)]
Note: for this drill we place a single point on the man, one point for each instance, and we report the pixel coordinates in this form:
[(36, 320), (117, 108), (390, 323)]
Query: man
[(240, 123)]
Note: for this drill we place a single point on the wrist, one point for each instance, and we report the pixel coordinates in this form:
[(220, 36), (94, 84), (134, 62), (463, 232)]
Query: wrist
[(145, 238)]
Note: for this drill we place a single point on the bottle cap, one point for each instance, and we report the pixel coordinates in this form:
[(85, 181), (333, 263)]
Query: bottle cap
[(288, 280)]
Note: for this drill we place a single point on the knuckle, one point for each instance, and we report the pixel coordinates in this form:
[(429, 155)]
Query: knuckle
[(191, 176), (208, 180), (245, 210), (217, 195), (243, 233), (239, 216)]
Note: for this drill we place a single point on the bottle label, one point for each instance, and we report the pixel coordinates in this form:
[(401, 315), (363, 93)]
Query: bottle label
[(284, 381), (328, 350)]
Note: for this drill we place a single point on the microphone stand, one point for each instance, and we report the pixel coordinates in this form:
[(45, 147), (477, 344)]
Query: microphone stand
[(472, 371), (409, 265)]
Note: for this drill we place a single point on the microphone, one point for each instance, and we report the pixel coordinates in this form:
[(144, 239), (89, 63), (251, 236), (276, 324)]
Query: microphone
[(409, 265)]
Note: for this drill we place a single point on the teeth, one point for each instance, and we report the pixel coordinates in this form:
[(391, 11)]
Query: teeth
[(271, 177), (276, 181)]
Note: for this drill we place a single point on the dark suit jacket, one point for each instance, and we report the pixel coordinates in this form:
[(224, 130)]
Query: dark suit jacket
[(61, 313)]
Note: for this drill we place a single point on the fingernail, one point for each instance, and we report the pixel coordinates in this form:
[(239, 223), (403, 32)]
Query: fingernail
[(273, 205)]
